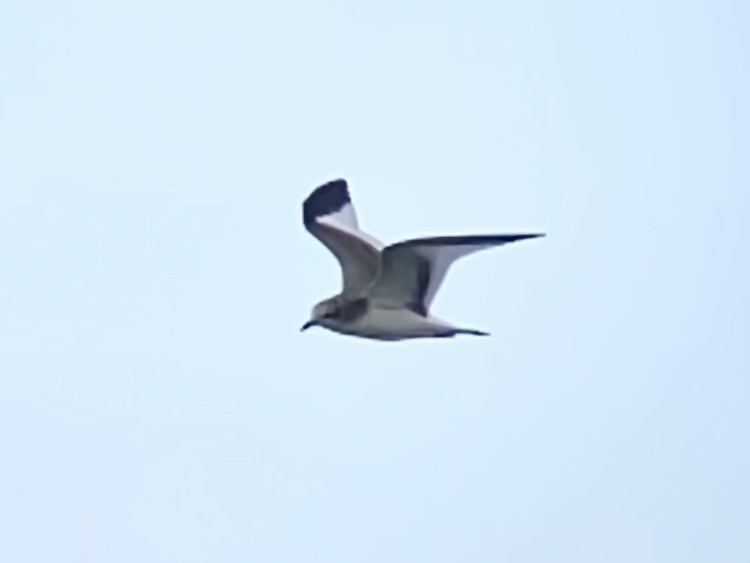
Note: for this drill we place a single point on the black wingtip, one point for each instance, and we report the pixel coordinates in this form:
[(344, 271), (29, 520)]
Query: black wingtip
[(325, 199), (452, 240), (527, 236)]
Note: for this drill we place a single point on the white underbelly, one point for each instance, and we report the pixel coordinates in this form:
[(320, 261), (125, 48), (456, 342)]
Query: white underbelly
[(395, 324)]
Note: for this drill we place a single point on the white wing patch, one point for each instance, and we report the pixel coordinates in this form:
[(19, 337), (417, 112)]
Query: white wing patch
[(345, 215), (440, 259), (346, 221)]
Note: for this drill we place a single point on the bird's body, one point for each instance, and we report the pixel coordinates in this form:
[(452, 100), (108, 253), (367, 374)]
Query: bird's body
[(380, 322), (387, 290)]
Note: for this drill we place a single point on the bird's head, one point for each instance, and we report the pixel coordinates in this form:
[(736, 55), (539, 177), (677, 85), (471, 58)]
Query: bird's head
[(323, 313)]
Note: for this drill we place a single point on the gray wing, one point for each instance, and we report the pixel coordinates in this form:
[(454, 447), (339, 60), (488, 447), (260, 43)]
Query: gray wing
[(413, 270), (328, 214)]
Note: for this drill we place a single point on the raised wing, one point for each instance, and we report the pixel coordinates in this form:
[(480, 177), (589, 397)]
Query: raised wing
[(412, 270), (329, 215)]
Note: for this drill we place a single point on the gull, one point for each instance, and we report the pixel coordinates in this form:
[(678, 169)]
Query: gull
[(387, 290)]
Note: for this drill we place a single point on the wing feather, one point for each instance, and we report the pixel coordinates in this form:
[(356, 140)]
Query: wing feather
[(328, 214), (412, 271)]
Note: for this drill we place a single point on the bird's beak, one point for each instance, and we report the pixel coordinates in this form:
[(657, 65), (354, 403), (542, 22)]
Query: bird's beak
[(308, 324)]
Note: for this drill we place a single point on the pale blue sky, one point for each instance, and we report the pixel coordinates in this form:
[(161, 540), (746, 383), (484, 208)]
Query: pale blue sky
[(157, 401)]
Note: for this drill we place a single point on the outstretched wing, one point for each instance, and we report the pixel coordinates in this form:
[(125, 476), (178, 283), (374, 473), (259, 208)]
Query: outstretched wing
[(328, 214), (412, 271)]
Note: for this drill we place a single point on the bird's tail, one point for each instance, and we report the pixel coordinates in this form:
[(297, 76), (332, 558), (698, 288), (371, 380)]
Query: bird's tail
[(456, 331)]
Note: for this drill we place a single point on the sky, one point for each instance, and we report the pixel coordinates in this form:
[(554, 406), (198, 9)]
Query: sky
[(157, 400)]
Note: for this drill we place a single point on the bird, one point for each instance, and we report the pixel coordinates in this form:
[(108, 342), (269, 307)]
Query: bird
[(386, 291)]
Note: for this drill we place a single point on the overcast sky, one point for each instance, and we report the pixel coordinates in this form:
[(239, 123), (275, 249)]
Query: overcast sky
[(157, 400)]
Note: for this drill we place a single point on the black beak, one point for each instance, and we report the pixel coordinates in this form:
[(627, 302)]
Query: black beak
[(309, 324)]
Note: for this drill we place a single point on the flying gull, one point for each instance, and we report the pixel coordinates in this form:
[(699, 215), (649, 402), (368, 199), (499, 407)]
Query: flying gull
[(387, 290)]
